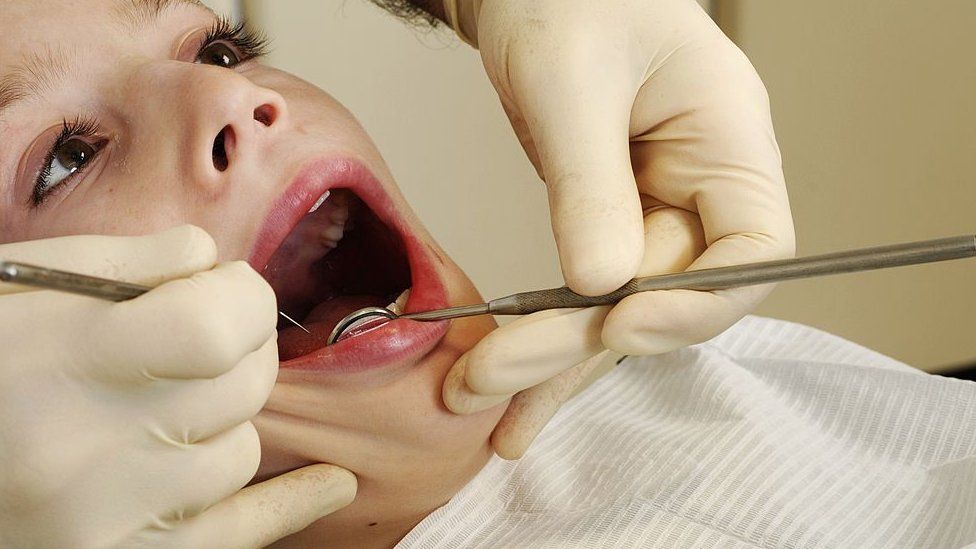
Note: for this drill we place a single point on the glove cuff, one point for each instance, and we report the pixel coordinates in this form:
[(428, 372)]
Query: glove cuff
[(464, 19)]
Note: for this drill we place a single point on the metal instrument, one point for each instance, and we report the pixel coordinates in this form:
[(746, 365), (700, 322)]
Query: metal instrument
[(722, 278), (65, 281)]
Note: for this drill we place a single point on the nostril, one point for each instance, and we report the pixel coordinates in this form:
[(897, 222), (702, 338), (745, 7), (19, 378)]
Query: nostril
[(219, 151), (265, 114)]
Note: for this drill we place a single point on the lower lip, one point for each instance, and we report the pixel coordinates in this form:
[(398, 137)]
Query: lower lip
[(397, 343)]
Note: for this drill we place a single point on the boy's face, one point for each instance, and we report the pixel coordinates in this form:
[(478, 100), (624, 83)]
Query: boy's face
[(120, 117)]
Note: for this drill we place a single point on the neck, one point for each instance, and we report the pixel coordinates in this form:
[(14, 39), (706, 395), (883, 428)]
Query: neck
[(376, 535)]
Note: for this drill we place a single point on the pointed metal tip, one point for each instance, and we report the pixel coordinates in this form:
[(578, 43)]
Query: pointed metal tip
[(293, 321)]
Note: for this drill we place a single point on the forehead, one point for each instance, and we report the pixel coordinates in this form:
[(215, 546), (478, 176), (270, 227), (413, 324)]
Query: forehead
[(43, 42), (29, 25)]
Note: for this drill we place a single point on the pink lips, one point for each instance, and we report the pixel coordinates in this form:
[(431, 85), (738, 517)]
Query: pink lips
[(396, 343)]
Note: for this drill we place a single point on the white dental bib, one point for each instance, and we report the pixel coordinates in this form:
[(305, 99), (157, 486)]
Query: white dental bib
[(770, 435)]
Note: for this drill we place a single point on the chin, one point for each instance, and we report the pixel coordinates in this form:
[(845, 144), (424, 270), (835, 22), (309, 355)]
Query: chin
[(337, 239)]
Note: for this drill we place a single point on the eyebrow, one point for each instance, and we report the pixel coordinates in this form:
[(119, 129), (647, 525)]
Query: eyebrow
[(37, 74), (40, 71)]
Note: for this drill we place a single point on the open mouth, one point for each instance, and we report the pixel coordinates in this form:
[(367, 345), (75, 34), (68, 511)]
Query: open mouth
[(334, 244), (339, 258)]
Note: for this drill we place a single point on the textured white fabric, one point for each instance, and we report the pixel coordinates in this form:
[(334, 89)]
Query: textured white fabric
[(771, 435)]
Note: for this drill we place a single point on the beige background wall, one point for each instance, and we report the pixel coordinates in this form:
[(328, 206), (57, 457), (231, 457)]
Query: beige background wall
[(873, 105)]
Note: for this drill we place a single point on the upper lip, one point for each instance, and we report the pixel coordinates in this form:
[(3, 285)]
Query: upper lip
[(428, 292), (284, 215)]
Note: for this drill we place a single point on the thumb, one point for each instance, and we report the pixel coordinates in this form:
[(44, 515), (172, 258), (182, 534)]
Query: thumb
[(578, 117), (150, 259), (264, 513)]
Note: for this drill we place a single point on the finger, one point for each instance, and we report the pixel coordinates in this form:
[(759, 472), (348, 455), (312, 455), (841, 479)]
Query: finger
[(150, 259), (532, 350), (194, 476), (188, 411), (659, 322), (531, 409), (673, 240), (261, 514), (461, 399), (711, 150), (527, 352), (578, 116), (197, 327)]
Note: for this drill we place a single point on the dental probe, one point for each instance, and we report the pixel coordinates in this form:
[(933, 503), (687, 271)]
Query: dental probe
[(76, 283), (721, 278)]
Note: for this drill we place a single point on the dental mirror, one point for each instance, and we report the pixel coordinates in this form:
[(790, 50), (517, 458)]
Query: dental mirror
[(360, 320)]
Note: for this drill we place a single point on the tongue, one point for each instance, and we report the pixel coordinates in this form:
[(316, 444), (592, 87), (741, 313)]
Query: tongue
[(293, 342)]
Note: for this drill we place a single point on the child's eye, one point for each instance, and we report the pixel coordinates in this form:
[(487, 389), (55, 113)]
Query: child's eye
[(218, 53), (226, 44), (73, 149)]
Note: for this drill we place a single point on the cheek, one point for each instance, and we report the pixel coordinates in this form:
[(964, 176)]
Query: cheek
[(122, 203), (315, 115), (115, 196)]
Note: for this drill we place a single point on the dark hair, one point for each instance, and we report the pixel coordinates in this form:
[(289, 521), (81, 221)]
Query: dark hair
[(409, 10)]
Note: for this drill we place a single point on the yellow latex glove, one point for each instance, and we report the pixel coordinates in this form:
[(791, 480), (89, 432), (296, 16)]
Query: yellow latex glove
[(127, 424), (653, 135)]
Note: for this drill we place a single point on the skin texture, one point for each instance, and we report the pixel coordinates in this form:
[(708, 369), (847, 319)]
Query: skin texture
[(159, 114)]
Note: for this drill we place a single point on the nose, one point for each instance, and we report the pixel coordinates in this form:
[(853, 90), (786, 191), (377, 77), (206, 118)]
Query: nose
[(222, 121), (241, 118), (235, 120)]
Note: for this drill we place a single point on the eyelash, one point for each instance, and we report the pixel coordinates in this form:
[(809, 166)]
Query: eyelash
[(79, 127), (249, 43)]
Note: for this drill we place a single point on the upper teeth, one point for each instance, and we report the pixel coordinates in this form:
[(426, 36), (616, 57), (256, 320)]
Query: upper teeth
[(333, 222), (319, 202)]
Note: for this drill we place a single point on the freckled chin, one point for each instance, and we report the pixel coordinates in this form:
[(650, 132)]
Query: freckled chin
[(409, 453)]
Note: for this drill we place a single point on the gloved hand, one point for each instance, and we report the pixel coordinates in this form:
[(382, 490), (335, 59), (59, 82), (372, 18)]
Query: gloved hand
[(127, 424), (653, 135)]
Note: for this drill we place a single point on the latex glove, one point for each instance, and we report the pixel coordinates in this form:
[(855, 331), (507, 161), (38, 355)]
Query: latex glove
[(127, 424), (653, 135)]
